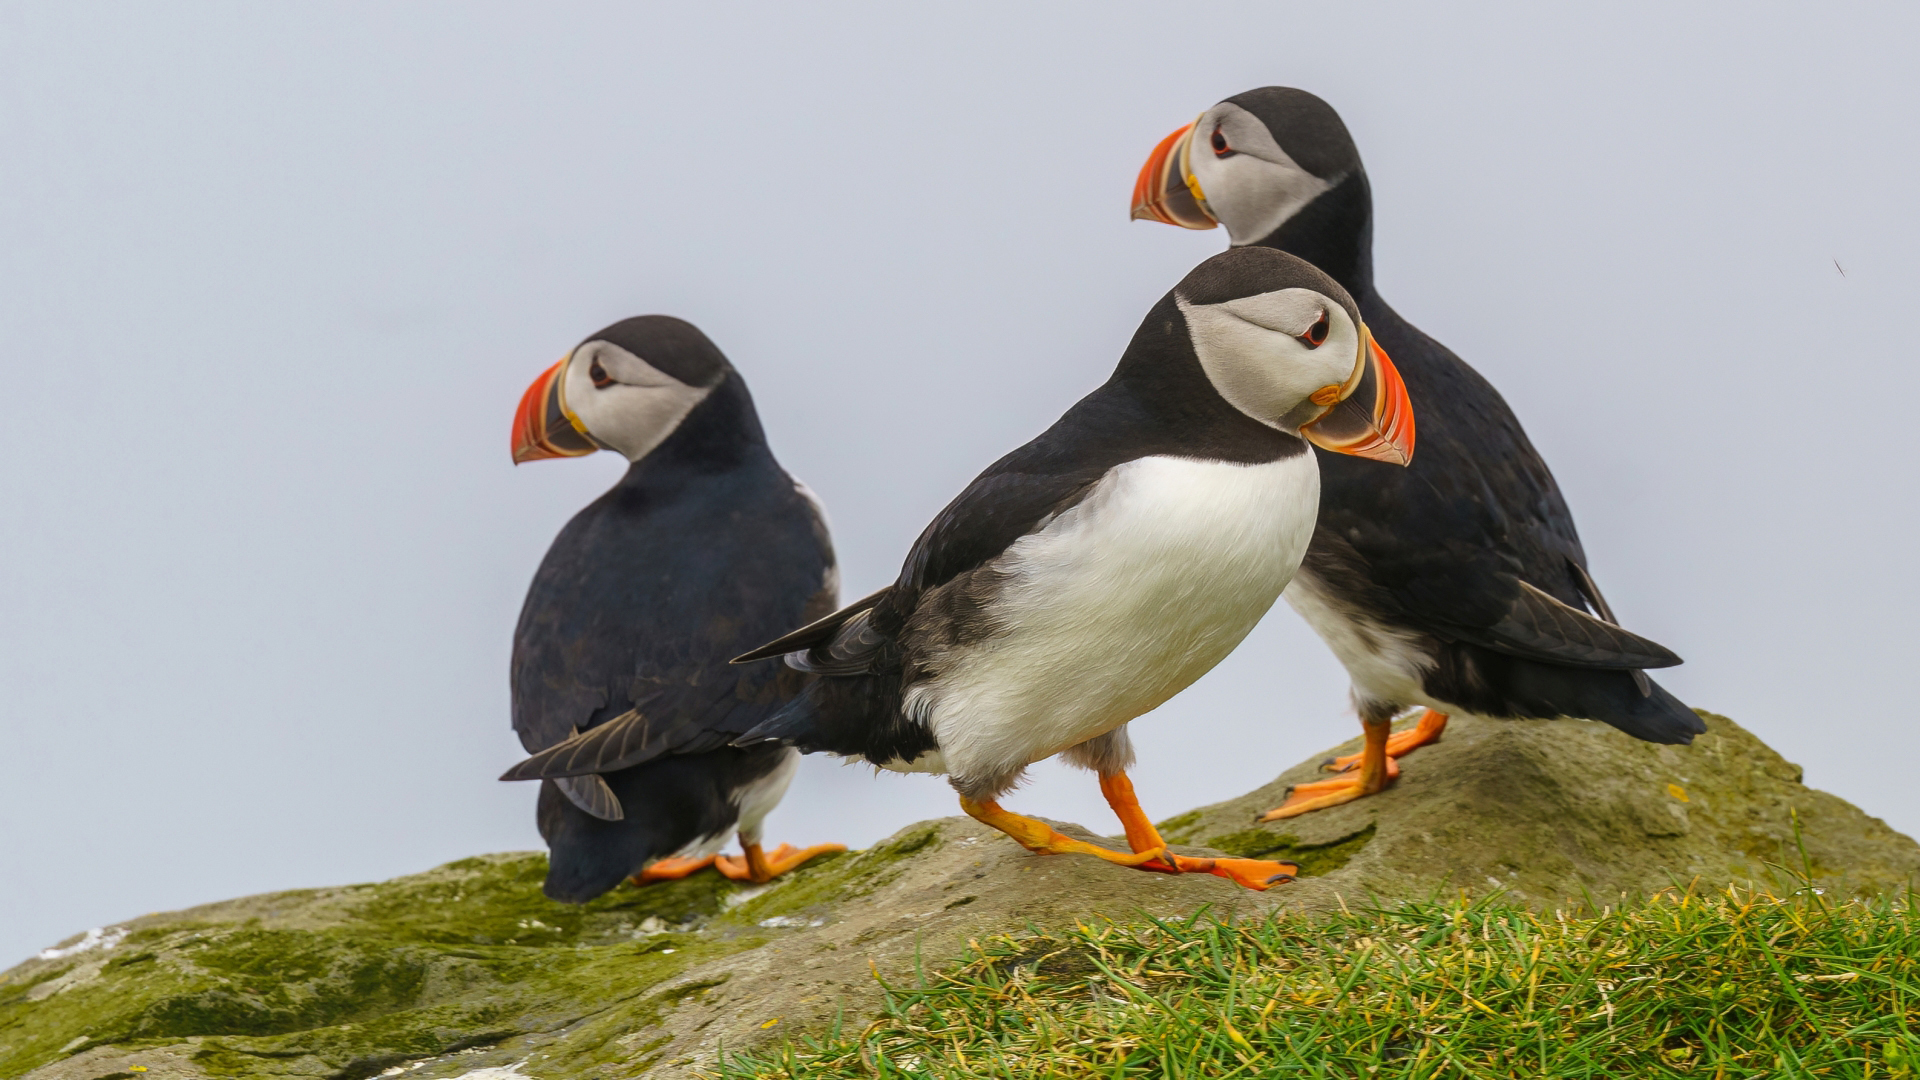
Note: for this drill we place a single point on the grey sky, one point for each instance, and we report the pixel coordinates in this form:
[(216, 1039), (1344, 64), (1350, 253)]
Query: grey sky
[(275, 276)]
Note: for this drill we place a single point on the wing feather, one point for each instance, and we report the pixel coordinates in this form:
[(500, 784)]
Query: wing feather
[(1538, 627)]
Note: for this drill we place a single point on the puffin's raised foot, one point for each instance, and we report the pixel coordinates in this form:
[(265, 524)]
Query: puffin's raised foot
[(1426, 731), (759, 867), (1042, 839), (669, 870)]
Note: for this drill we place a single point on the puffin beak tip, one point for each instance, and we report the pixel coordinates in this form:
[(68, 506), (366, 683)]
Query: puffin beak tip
[(1162, 192)]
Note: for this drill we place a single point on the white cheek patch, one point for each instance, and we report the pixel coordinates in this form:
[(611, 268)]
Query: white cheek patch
[(1256, 189), (625, 367), (1252, 354), (632, 418)]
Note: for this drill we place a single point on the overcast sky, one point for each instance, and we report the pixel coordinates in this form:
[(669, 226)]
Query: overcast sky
[(272, 279)]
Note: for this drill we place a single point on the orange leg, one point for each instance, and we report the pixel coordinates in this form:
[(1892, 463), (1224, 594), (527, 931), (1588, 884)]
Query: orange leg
[(1143, 837), (1376, 771), (1043, 839), (669, 870), (1401, 743), (760, 867)]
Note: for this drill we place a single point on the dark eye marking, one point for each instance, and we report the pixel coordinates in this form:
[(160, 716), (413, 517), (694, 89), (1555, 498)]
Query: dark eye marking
[(1316, 334), (1219, 143), (601, 380)]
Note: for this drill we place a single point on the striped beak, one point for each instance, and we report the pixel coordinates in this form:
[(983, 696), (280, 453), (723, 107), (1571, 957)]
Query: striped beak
[(542, 427), (1166, 190), (1371, 417)]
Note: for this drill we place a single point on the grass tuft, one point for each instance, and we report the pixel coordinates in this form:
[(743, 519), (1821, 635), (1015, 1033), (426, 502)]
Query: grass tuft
[(1739, 984)]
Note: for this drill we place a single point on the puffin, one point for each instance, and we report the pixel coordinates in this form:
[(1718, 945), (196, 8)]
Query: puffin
[(1458, 584), (1088, 576), (621, 688)]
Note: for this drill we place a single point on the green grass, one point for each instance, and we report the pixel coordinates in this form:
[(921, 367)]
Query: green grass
[(1676, 985)]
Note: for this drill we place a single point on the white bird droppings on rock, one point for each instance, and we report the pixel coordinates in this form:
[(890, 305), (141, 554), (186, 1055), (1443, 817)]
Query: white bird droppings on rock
[(96, 938)]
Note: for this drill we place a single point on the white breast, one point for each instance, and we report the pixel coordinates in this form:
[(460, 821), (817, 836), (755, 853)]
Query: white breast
[(1385, 664), (1118, 604)]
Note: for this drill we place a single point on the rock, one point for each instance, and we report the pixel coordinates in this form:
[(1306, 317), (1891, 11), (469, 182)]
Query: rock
[(467, 971), (1550, 810)]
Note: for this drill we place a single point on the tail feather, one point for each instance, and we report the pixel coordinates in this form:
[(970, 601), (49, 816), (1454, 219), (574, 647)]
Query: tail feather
[(1627, 700), (795, 724), (853, 716), (814, 633), (592, 794)]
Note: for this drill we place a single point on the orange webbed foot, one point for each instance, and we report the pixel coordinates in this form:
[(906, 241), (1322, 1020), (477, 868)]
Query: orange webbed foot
[(670, 870), (1144, 838), (1306, 798), (1257, 874), (760, 867), (1376, 771), (1424, 732)]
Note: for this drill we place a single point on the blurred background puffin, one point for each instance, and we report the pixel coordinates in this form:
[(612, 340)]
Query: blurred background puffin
[(621, 687), (1095, 572), (1458, 584)]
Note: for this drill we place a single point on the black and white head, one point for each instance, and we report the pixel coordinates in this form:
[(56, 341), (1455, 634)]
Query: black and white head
[(1284, 343), (626, 388), (1250, 163)]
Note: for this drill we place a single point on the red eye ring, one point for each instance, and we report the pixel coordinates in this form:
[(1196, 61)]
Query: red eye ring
[(1219, 142), (601, 380), (1316, 334)]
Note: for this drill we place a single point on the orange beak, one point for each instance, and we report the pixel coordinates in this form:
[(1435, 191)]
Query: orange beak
[(1166, 190), (1373, 417), (541, 426)]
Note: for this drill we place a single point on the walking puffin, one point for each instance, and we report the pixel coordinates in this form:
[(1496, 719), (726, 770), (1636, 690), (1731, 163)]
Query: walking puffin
[(1459, 584), (1095, 572), (621, 687)]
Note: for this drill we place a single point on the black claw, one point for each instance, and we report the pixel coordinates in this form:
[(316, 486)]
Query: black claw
[(1281, 879)]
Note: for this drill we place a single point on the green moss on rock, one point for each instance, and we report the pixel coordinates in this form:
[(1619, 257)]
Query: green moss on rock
[(1314, 859), (1178, 829), (347, 982)]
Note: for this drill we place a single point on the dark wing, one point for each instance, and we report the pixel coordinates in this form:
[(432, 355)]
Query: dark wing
[(1018, 495), (593, 794), (1003, 504), (1474, 542), (622, 649), (1538, 627)]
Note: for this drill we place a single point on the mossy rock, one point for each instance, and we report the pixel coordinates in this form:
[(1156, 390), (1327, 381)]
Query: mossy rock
[(353, 981), (467, 971)]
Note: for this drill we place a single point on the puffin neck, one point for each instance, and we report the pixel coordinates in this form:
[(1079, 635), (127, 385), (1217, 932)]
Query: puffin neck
[(1335, 233), (723, 432)]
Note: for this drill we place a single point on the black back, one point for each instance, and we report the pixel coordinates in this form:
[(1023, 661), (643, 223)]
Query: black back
[(704, 548), (1441, 546)]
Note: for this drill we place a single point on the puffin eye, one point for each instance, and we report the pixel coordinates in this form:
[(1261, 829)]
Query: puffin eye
[(601, 380), (1219, 143), (1316, 334)]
